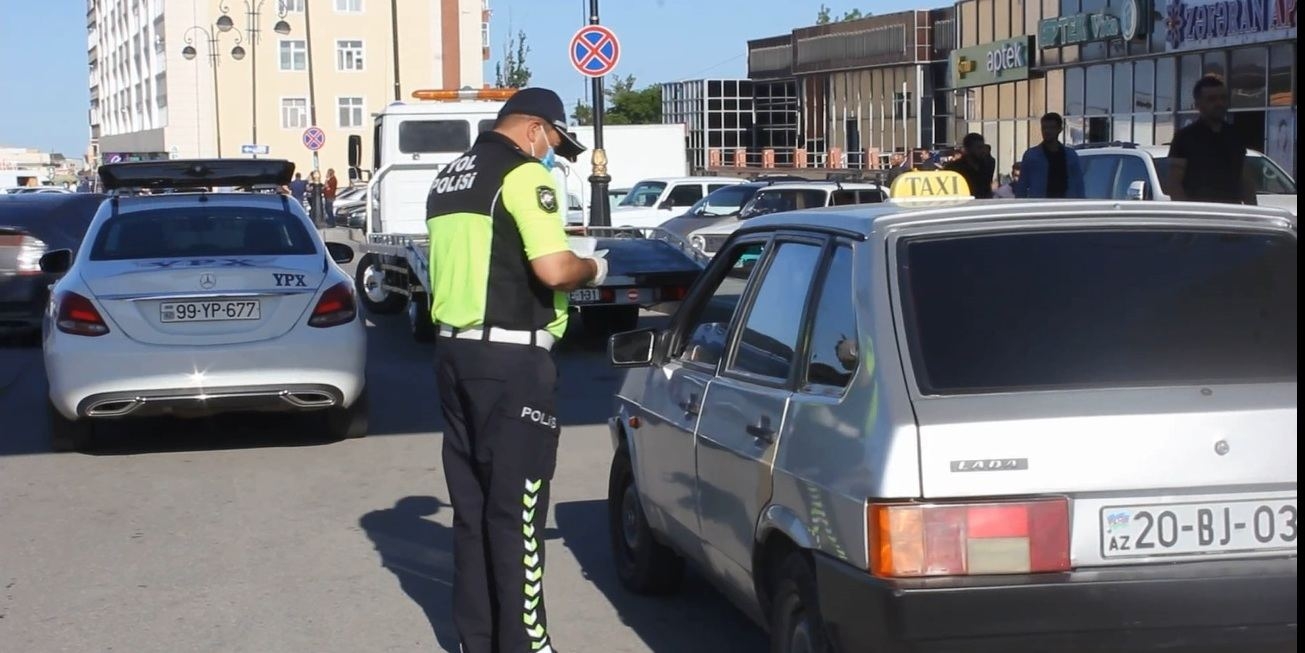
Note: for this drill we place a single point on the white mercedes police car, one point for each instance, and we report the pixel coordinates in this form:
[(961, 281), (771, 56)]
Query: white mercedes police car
[(189, 302)]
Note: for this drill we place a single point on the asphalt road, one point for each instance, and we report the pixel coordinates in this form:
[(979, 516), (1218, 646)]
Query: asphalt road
[(255, 535)]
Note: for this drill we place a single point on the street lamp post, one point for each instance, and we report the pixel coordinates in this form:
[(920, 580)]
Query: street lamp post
[(253, 13), (237, 53), (600, 214)]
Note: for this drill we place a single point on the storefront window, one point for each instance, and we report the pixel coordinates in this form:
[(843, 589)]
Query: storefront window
[(1055, 86), (1073, 134), (1281, 61), (1165, 84), (969, 23), (1142, 129), (1124, 93), (1098, 129), (1216, 63), (1032, 15), (1096, 50), (1122, 129), (1248, 78), (988, 103), (1001, 20), (1073, 92), (1004, 149), (1191, 71), (1098, 79), (1068, 54), (1022, 108), (1006, 94), (1022, 137), (1164, 129), (985, 21), (1143, 98)]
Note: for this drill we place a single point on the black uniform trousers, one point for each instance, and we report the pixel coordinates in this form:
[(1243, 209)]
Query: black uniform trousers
[(500, 450)]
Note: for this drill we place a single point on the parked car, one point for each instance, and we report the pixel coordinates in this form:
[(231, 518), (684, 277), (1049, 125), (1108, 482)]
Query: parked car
[(997, 425), (32, 224), (720, 206), (788, 196), (194, 303), (1126, 171), (653, 201)]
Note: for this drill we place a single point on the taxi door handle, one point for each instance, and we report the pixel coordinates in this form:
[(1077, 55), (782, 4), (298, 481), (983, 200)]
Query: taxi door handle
[(762, 431), (691, 406)]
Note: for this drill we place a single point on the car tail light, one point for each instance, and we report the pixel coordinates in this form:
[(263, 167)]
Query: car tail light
[(956, 539), (336, 307), (77, 315), (30, 251)]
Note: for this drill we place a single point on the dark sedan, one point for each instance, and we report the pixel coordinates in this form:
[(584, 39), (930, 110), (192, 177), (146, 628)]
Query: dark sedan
[(31, 225)]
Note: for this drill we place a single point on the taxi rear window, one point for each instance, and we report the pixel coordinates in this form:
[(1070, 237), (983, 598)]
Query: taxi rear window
[(202, 231), (1009, 312)]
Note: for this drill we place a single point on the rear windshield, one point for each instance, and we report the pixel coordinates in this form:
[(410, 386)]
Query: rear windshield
[(1099, 309), (202, 231), (434, 136)]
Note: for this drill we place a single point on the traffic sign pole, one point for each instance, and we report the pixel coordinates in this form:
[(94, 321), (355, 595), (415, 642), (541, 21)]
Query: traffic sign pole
[(594, 53)]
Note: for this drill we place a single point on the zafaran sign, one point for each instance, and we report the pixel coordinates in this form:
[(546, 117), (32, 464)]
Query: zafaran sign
[(992, 63)]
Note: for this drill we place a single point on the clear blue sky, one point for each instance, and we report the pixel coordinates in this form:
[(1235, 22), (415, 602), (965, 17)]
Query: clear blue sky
[(44, 77)]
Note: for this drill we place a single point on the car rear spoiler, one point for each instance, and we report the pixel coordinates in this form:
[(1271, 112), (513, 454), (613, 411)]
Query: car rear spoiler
[(196, 174)]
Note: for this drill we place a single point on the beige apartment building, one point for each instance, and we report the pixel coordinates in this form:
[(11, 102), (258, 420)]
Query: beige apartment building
[(183, 79)]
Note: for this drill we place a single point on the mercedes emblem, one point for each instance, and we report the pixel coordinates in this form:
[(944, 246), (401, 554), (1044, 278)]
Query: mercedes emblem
[(1221, 447), (207, 280)]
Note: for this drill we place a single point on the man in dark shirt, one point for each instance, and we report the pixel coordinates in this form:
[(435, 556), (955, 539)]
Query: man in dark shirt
[(976, 166), (1207, 159)]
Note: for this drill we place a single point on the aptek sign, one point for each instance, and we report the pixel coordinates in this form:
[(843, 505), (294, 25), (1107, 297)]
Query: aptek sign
[(992, 63)]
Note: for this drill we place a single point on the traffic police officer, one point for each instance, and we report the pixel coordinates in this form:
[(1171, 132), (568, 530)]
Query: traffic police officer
[(500, 266)]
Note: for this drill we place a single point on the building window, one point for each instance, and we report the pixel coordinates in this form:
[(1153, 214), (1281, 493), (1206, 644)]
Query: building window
[(292, 6), (294, 113), (349, 55), (1248, 79), (349, 6), (294, 55), (902, 106), (351, 112)]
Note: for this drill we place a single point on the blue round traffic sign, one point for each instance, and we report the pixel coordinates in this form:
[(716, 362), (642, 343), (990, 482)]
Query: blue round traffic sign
[(314, 138), (595, 51)]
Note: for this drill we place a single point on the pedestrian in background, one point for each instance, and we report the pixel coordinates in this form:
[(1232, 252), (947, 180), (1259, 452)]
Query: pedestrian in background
[(1207, 159), (328, 191), (501, 269), (975, 165), (316, 199), (1049, 169), (298, 187)]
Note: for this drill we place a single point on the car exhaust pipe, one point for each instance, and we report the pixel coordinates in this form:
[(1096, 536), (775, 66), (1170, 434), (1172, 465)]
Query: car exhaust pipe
[(114, 407), (308, 399)]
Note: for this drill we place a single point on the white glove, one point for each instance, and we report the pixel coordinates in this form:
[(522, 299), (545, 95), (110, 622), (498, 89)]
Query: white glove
[(601, 263)]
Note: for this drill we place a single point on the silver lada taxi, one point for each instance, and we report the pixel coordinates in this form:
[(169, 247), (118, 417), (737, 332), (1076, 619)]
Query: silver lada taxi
[(964, 425)]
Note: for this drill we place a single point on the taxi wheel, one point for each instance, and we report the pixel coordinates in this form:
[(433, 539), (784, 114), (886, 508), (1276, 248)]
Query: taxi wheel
[(67, 434), (351, 422), (795, 622), (367, 281), (644, 565)]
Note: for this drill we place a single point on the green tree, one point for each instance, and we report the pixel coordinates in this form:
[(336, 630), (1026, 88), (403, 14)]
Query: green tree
[(625, 105), (822, 18), (511, 70), (582, 114)]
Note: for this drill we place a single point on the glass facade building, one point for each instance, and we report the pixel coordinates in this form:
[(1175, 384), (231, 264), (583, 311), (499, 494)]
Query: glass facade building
[(1123, 70)]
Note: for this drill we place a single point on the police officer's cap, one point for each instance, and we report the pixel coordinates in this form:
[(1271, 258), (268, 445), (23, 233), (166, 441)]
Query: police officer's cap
[(545, 104)]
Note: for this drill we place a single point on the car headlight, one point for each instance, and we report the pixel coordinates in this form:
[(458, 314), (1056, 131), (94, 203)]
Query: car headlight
[(699, 243)]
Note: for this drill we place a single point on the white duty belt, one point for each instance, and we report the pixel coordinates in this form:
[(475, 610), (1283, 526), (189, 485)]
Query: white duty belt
[(538, 338)]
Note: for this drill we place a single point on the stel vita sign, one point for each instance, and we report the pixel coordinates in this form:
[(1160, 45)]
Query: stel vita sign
[(1001, 61), (1128, 21)]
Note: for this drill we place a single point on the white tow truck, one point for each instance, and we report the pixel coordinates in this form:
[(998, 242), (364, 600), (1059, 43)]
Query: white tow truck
[(412, 142)]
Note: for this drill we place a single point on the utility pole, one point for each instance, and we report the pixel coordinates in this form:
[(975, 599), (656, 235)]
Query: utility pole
[(600, 211), (312, 88), (253, 15), (394, 41)]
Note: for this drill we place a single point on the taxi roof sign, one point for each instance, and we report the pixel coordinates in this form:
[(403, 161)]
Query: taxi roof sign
[(930, 185)]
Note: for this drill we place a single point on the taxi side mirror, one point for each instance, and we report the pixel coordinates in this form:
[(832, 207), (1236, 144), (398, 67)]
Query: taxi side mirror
[(632, 348), (1137, 190), (667, 204), (56, 262)]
